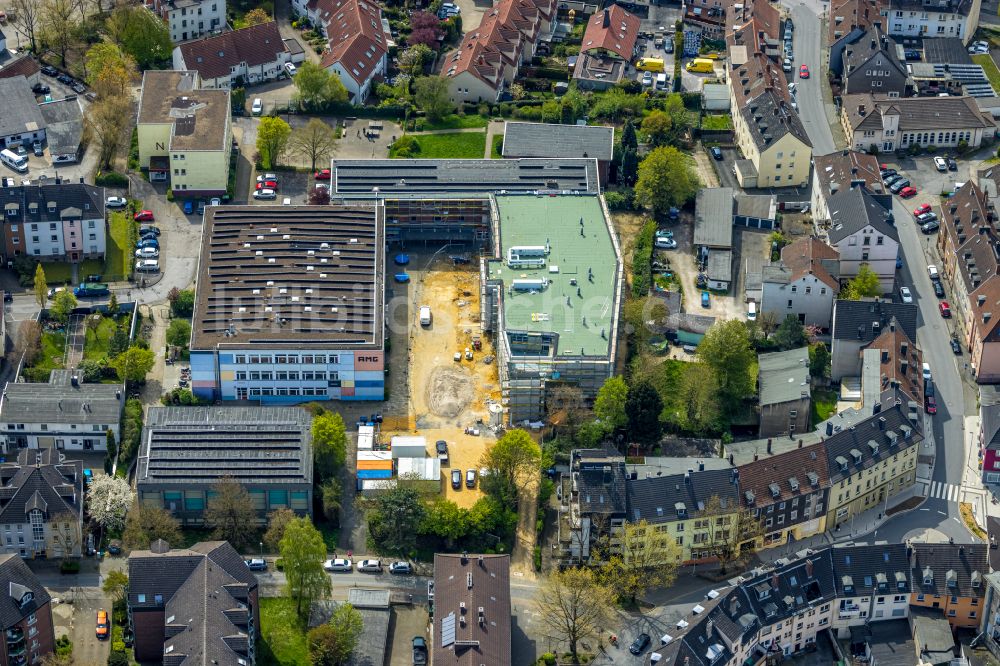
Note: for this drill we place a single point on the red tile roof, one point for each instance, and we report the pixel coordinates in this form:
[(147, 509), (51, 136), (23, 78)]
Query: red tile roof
[(22, 65), (356, 38), (853, 14), (892, 341), (613, 30), (806, 256), (215, 56), (756, 477)]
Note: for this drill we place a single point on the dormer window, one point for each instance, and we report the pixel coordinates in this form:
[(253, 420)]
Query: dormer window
[(51, 206), (842, 463), (976, 579), (775, 490), (882, 580), (928, 576), (900, 580), (856, 455), (681, 510), (873, 445), (952, 578), (848, 584), (793, 483)]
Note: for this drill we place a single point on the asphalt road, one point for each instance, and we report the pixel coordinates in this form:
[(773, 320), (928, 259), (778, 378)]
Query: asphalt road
[(806, 41)]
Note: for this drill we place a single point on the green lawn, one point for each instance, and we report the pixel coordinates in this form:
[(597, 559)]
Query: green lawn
[(119, 252), (992, 73), (716, 122), (50, 357), (454, 121), (57, 272), (283, 638), (824, 405), (497, 147), (456, 145), (96, 346)]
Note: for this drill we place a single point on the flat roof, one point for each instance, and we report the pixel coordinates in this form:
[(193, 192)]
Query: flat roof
[(713, 217), (469, 176), (285, 275), (581, 250), (198, 116), (548, 140)]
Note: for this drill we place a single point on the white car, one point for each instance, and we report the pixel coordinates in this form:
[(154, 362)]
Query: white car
[(371, 566), (216, 201), (905, 295), (786, 66), (647, 78), (339, 564), (927, 371), (290, 68), (116, 202), (147, 253), (940, 164), (264, 177), (265, 193), (666, 243), (979, 47)]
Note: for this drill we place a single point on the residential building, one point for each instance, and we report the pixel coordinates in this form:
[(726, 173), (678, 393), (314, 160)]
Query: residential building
[(21, 123), (248, 56), (840, 171), (873, 584), (185, 133), (198, 603), (892, 124), (471, 601), (870, 65), (592, 502), (561, 141), (25, 615), (804, 283), (951, 577), (41, 505), (989, 432), (858, 323), (991, 614), (62, 221), (968, 246), (487, 60), (948, 18), (707, 17), (892, 363), (885, 643), (772, 139), (64, 414), (190, 19), (870, 462), (609, 45), (787, 493), (63, 128), (784, 392), (936, 639), (15, 63), (849, 20), (186, 451), (289, 304), (863, 232)]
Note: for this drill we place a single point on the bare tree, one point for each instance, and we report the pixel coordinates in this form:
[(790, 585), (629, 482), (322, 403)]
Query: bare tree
[(28, 342), (230, 511), (59, 25), (26, 19), (640, 556), (727, 531), (574, 605), (107, 120), (315, 142), (65, 531)]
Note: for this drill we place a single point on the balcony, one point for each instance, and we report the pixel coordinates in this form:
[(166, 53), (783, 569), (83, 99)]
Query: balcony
[(14, 634), (17, 651)]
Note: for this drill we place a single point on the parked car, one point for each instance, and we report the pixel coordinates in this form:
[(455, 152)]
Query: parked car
[(786, 65), (952, 164), (149, 231), (149, 241), (78, 87), (257, 564), (898, 186), (272, 184), (147, 253), (188, 207), (49, 70), (892, 178), (921, 209), (926, 369), (665, 243), (647, 78), (905, 295), (216, 201), (938, 288), (116, 202), (265, 194), (927, 217), (267, 176), (912, 54), (956, 347), (456, 479), (640, 644), (370, 566), (945, 309), (441, 447), (908, 192), (716, 153), (885, 173), (400, 568), (470, 478), (930, 405), (103, 625), (706, 300), (143, 216), (419, 651), (64, 78), (340, 565), (979, 47), (40, 89), (940, 164), (322, 174)]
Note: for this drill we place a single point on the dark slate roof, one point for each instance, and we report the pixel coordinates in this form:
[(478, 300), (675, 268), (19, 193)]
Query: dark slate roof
[(854, 209), (713, 217), (865, 570), (65, 125), (852, 320), (792, 587), (21, 114), (547, 140), (32, 202), (16, 579), (945, 51), (658, 499), (890, 641), (952, 569), (870, 441), (776, 119), (872, 43), (600, 480), (989, 415), (490, 590), (39, 481)]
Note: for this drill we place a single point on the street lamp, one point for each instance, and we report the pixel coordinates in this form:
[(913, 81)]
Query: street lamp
[(262, 550)]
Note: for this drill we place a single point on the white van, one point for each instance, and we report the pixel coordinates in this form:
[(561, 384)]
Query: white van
[(14, 161), (425, 315), (147, 266), (752, 311), (257, 107), (661, 81)]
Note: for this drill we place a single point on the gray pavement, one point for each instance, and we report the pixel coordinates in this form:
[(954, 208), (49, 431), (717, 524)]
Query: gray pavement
[(808, 38)]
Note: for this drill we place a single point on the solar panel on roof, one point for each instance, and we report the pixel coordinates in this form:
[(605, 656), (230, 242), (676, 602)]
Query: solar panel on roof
[(448, 630)]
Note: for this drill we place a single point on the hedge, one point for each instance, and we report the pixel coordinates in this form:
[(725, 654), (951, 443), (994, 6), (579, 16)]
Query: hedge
[(642, 257), (111, 179)]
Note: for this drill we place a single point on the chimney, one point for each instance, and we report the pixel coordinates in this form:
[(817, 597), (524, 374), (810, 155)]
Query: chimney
[(701, 466), (775, 580), (731, 458), (769, 446), (734, 605), (709, 627), (809, 568)]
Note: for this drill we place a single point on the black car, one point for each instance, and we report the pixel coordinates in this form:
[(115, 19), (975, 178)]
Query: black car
[(40, 89), (49, 70), (8, 297), (145, 231), (885, 173), (64, 78), (938, 289), (78, 87), (419, 651), (956, 347), (717, 153), (930, 227), (891, 178), (668, 45), (952, 164), (640, 644), (898, 186), (456, 479)]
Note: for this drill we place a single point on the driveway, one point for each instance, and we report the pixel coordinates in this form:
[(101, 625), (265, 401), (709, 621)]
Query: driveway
[(282, 13), (472, 12), (725, 167)]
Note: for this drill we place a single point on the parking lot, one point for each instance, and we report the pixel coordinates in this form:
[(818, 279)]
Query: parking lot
[(407, 622)]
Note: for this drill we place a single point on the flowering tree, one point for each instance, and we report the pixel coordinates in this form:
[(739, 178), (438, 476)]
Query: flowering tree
[(108, 499), (426, 29)]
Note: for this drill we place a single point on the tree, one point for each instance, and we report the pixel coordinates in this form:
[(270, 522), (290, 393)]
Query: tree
[(115, 585), (791, 334), (680, 119), (113, 305), (446, 520), (63, 304), (144, 524), (819, 360), (665, 179), (27, 19), (106, 121), (133, 364), (629, 139), (642, 407), (657, 128), (59, 23), (511, 462), (28, 343), (230, 512), (319, 196), (732, 531), (272, 140), (392, 515), (863, 285), (302, 553), (413, 59), (726, 349), (609, 406), (431, 94), (108, 500), (564, 404), (110, 71), (141, 34), (331, 493), (179, 333), (768, 322), (317, 86), (700, 400), (181, 302), (329, 441), (574, 605), (41, 286), (277, 521), (256, 16), (315, 142), (645, 558), (331, 644), (426, 30)]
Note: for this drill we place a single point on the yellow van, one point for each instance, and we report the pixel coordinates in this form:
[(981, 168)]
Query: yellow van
[(650, 65), (701, 65)]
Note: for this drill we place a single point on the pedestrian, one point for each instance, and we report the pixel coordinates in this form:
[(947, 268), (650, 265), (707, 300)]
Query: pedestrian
[(350, 554)]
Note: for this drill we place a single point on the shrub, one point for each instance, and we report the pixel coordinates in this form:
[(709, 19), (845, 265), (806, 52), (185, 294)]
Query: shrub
[(118, 658), (548, 659), (538, 558), (279, 564), (69, 566), (529, 113), (617, 201), (642, 255), (111, 179)]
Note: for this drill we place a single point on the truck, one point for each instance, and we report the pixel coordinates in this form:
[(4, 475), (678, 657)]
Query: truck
[(654, 65), (91, 290), (701, 65)]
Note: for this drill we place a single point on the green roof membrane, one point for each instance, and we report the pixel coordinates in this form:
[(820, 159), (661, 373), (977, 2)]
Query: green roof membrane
[(577, 301)]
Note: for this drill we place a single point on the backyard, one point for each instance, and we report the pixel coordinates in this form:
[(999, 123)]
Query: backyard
[(98, 339), (119, 250), (450, 145), (284, 640), (52, 353), (824, 405)]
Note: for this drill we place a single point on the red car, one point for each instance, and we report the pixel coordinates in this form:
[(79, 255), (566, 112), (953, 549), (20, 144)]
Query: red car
[(930, 405), (322, 174), (269, 184), (144, 216), (945, 309), (804, 72), (921, 209), (908, 192)]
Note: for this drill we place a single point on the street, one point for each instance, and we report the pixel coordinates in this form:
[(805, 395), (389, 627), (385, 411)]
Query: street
[(807, 40)]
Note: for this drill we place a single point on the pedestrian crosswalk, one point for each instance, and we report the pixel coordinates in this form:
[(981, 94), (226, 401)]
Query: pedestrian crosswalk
[(945, 491)]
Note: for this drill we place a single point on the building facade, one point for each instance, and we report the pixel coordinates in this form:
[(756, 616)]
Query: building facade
[(60, 221), (892, 124), (951, 18), (870, 65), (41, 505), (251, 55), (952, 578), (190, 19), (863, 231), (873, 584), (803, 284), (25, 615), (840, 171), (858, 323), (784, 392)]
